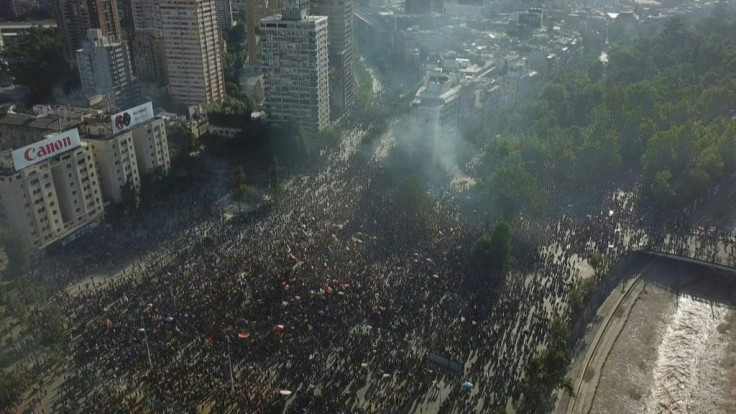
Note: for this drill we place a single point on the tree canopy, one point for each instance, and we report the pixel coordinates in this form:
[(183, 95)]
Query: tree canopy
[(656, 112), (35, 59), (491, 256)]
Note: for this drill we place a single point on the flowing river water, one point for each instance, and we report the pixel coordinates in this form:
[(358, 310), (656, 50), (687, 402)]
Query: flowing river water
[(683, 356)]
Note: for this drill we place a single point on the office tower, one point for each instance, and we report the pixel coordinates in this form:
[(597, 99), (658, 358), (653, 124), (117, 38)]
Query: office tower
[(294, 55), (193, 56), (255, 10), (105, 69), (341, 51), (75, 17), (224, 14)]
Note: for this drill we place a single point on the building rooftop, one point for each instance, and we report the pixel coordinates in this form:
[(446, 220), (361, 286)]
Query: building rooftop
[(49, 123), (27, 25), (277, 18)]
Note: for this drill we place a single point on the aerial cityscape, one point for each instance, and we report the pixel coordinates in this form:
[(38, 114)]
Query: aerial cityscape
[(367, 206)]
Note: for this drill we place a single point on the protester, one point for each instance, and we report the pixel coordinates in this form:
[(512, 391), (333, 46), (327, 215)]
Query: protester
[(328, 297)]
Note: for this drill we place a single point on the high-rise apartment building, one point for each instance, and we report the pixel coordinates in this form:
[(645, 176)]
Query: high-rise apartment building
[(151, 147), (149, 54), (105, 69), (342, 81), (294, 55), (255, 10), (49, 189), (75, 17), (54, 177), (115, 159), (224, 14), (145, 14), (8, 9), (193, 56)]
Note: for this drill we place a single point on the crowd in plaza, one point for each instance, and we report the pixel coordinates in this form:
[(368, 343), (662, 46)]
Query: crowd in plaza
[(327, 301)]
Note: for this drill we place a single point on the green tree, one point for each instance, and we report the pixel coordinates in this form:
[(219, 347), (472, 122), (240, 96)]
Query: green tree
[(546, 371), (51, 325), (240, 191), (230, 106), (364, 87), (580, 294), (12, 387), (491, 256), (516, 190), (16, 306), (35, 59), (626, 64), (180, 136), (480, 255), (500, 248)]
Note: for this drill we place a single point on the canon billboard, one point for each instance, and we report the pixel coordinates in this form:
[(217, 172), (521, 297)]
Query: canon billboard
[(131, 117), (45, 149)]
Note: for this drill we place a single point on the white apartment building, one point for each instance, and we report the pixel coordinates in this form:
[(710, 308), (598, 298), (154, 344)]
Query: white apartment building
[(193, 56), (436, 106), (29, 205), (52, 196), (151, 146), (294, 55), (115, 159), (149, 54), (105, 69)]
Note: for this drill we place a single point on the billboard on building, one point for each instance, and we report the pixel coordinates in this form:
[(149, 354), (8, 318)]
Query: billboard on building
[(129, 118), (45, 149)]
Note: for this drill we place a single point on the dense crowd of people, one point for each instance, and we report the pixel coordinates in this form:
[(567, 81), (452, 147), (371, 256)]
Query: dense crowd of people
[(328, 300)]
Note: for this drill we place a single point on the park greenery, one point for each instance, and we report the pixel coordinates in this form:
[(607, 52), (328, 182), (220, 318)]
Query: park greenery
[(36, 59), (491, 257), (240, 191), (659, 113), (546, 371), (657, 118), (34, 331)]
